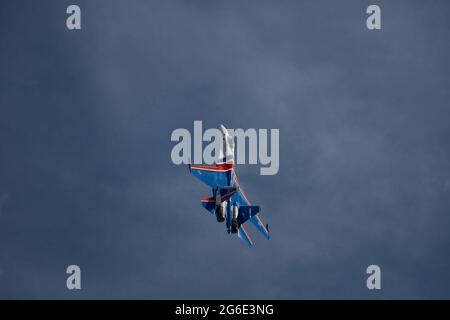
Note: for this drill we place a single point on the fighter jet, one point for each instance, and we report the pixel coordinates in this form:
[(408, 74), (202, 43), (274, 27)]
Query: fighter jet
[(228, 202)]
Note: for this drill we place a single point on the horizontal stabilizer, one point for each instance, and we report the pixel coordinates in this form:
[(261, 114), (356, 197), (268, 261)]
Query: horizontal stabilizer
[(246, 212)]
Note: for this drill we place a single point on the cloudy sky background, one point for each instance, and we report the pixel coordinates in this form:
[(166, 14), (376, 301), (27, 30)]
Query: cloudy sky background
[(86, 176)]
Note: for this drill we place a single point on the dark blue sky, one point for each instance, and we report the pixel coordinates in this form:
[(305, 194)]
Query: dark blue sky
[(85, 170)]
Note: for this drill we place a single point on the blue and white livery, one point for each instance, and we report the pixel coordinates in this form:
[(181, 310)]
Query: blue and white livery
[(228, 201)]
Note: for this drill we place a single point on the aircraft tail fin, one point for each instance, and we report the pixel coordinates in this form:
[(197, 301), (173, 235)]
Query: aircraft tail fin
[(263, 228)]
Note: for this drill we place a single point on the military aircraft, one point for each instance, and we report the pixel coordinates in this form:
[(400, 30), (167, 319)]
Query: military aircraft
[(228, 202)]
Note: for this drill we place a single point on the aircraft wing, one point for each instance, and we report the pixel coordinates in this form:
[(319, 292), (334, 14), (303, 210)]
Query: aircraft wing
[(218, 175)]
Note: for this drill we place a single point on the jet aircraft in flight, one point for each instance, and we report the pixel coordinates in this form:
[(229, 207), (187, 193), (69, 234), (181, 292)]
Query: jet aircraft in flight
[(228, 202)]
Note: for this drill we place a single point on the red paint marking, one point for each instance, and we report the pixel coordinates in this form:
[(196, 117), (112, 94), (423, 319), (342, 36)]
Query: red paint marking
[(219, 167), (212, 199), (260, 221), (246, 234)]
